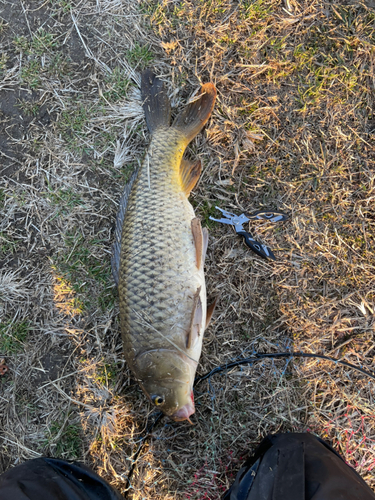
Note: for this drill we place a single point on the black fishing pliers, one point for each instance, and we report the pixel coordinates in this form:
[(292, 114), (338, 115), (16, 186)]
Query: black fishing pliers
[(238, 220)]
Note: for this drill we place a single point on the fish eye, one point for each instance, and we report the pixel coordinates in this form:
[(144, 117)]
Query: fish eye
[(157, 400)]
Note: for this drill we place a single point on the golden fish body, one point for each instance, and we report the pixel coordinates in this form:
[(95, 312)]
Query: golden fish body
[(161, 281), (159, 277)]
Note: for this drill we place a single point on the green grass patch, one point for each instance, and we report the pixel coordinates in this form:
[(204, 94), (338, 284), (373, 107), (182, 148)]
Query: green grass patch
[(3, 62), (73, 126), (30, 73), (140, 56), (227, 41), (214, 7), (325, 65), (107, 298), (21, 44), (81, 134), (43, 42), (13, 335), (59, 65), (154, 11), (69, 441), (74, 119), (67, 198), (2, 197), (90, 277), (61, 6), (3, 25), (106, 374), (7, 245), (206, 210), (82, 259), (255, 11), (117, 86), (29, 108)]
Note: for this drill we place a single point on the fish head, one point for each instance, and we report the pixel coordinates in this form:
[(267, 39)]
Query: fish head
[(167, 378)]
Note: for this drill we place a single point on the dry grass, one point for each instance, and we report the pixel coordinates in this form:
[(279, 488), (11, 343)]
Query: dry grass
[(293, 129)]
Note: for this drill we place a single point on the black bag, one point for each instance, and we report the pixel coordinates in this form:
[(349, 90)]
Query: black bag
[(284, 467), (297, 467), (53, 479)]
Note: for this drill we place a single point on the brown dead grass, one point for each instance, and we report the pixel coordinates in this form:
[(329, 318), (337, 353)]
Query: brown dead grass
[(292, 129)]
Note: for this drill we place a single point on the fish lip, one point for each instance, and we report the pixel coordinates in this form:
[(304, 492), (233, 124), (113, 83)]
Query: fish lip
[(184, 412)]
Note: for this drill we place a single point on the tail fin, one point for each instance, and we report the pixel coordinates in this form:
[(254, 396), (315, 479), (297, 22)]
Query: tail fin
[(196, 114), (156, 104), (157, 107)]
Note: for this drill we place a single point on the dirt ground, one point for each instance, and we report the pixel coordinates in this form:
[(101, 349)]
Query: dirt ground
[(293, 129)]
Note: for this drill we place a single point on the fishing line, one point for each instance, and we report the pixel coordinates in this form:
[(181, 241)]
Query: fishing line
[(222, 369), (157, 416)]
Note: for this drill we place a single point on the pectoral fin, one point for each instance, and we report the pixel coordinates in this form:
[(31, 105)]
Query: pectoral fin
[(199, 242), (196, 320), (205, 243), (189, 172)]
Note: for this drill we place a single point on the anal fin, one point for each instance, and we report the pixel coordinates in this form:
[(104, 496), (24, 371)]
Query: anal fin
[(196, 320), (189, 172)]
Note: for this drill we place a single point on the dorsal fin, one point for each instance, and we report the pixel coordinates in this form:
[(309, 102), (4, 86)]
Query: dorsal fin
[(196, 320), (116, 247), (189, 172), (196, 229)]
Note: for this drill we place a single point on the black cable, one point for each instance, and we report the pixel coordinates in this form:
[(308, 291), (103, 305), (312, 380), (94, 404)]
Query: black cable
[(221, 369), (258, 356)]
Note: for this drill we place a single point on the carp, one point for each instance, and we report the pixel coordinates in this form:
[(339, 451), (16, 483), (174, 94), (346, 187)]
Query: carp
[(158, 255)]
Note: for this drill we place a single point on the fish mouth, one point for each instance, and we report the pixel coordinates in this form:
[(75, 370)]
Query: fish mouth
[(184, 413)]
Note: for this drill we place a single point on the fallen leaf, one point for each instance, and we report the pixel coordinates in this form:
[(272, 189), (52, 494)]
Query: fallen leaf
[(169, 46), (3, 369)]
